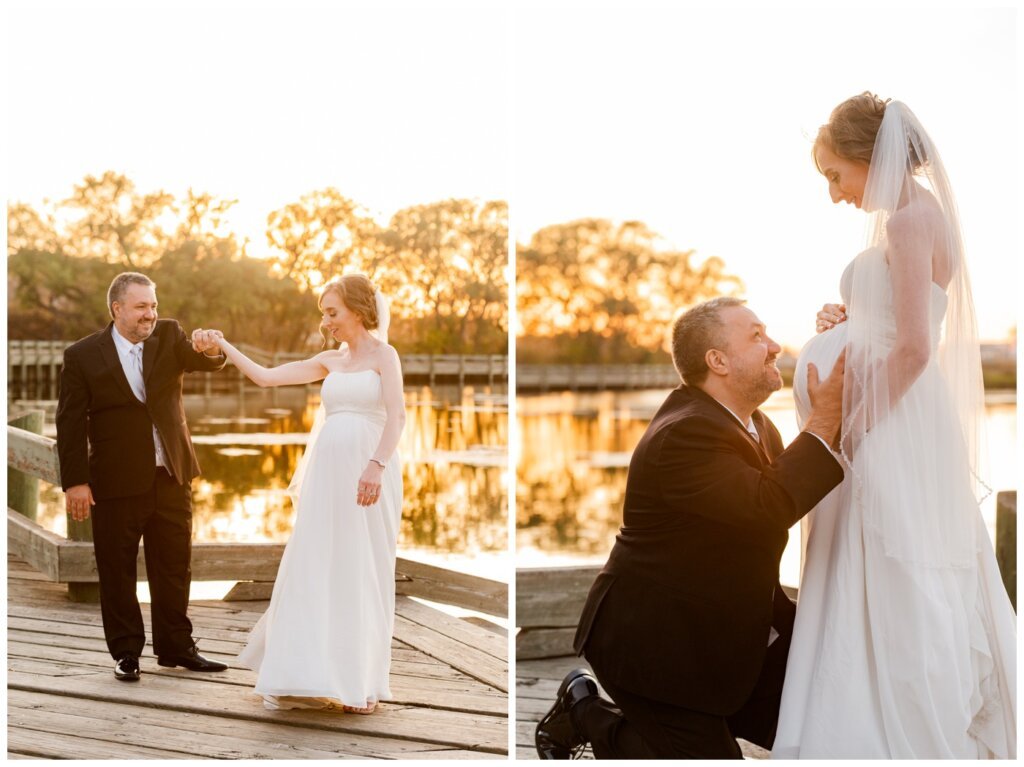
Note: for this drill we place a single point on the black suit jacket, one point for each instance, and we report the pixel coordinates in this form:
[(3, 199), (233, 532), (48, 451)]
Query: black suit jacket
[(682, 611), (104, 433)]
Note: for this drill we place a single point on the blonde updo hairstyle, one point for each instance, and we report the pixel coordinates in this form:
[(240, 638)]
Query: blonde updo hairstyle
[(852, 128), (358, 294)]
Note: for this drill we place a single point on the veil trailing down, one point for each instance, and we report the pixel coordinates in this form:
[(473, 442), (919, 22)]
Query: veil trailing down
[(905, 639)]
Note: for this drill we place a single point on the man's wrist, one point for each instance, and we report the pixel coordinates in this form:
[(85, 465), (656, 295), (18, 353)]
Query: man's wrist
[(822, 428)]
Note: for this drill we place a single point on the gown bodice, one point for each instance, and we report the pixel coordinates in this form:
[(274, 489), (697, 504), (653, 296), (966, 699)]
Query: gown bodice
[(355, 393), (883, 327)]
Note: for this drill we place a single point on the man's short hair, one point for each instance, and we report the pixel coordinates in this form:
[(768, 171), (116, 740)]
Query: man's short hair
[(694, 333), (120, 284)]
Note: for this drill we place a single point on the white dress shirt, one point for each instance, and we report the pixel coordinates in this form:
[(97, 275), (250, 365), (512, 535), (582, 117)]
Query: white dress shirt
[(125, 351)]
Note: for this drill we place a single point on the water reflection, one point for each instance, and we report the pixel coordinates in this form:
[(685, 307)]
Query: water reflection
[(453, 451), (575, 451)]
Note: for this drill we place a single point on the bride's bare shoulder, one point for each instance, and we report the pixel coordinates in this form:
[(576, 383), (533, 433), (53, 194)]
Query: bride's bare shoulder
[(921, 213), (329, 355)]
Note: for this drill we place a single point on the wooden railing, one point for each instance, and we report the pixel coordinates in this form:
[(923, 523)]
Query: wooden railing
[(33, 369), (254, 565)]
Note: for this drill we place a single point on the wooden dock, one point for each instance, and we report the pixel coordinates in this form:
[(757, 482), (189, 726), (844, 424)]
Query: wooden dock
[(448, 676)]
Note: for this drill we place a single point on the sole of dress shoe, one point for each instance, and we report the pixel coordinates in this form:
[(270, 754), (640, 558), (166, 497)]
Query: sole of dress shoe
[(558, 752)]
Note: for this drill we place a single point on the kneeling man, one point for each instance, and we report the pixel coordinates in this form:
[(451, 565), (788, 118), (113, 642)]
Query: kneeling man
[(687, 627)]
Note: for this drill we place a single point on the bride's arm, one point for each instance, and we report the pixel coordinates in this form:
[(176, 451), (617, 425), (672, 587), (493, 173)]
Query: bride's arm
[(911, 237), (301, 372), (394, 404)]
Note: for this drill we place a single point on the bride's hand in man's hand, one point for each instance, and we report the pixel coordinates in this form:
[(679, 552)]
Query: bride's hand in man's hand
[(830, 316), (205, 340), (368, 492)]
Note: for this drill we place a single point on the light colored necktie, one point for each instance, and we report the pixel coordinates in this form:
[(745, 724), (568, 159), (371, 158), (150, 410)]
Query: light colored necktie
[(138, 383)]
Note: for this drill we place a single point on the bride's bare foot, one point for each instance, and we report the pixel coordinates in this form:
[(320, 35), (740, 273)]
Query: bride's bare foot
[(357, 710)]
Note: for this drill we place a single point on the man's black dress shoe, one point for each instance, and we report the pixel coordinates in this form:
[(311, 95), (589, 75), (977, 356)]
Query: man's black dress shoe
[(127, 669), (192, 660), (556, 736)]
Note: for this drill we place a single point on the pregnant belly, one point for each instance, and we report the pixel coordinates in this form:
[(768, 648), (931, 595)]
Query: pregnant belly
[(823, 350)]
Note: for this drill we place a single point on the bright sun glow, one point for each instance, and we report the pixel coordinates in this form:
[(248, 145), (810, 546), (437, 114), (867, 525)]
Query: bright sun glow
[(699, 123)]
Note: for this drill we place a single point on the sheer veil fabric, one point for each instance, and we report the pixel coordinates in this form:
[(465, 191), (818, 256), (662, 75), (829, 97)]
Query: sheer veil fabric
[(909, 305), (905, 640)]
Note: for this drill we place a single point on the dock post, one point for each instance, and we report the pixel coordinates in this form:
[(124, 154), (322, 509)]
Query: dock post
[(78, 591), (1006, 541), (23, 489)]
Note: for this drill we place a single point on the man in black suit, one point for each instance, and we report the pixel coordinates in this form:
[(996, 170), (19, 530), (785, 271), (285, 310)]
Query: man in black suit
[(124, 448), (687, 627)]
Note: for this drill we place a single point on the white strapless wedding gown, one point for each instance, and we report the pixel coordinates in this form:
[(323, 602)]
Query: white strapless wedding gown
[(892, 659), (326, 637)]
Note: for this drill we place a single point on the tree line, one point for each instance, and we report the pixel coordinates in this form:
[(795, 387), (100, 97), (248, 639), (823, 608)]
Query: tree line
[(594, 291), (441, 264)]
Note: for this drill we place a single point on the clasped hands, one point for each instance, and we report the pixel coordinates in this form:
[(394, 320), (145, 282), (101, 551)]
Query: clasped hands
[(205, 340)]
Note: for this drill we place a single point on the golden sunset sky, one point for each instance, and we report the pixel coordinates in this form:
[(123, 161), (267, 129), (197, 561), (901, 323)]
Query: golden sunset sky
[(395, 104), (700, 123)]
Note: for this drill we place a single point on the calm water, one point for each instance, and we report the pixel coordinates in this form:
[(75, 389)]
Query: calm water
[(575, 451), (454, 453)]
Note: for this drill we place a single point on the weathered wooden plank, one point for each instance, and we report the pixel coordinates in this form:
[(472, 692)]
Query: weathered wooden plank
[(449, 728), (443, 694), (552, 597), (418, 579), (87, 636), (58, 745), (38, 547), (466, 659), (23, 489), (493, 644), (33, 454), (404, 662), (544, 643), (485, 624), (56, 651), (550, 669), (203, 735), (121, 728)]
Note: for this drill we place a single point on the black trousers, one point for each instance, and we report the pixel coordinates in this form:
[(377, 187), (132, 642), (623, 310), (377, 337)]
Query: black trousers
[(634, 727), (162, 518)]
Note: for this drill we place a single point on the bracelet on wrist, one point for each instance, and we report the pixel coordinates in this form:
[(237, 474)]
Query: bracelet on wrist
[(378, 462)]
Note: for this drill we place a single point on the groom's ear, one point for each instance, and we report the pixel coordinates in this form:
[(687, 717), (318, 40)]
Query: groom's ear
[(716, 361)]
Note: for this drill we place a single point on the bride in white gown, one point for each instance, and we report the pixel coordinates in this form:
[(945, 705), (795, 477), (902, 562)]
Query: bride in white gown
[(325, 640), (905, 640)]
